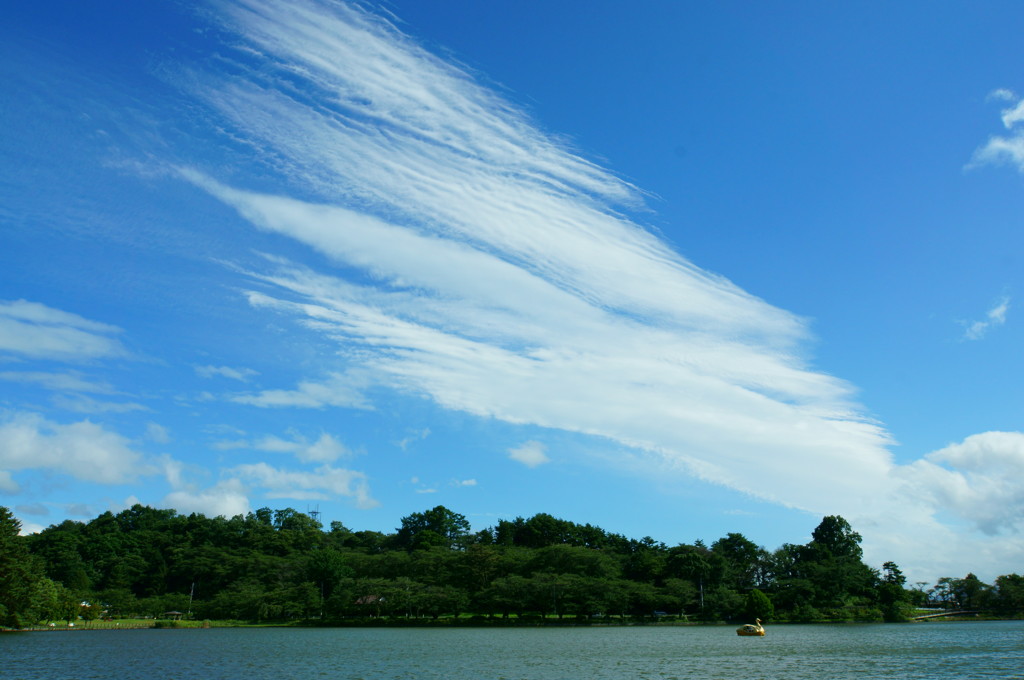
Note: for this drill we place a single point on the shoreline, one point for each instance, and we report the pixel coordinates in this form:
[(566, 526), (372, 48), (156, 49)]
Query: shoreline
[(164, 624)]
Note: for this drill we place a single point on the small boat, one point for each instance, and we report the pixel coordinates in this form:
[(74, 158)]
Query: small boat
[(751, 629)]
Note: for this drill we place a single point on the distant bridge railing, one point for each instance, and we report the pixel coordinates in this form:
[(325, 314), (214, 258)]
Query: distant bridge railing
[(948, 612)]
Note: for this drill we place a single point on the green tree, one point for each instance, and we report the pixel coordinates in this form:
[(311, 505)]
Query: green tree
[(477, 567), (836, 537), (943, 593), (435, 566), (118, 602), (45, 601), (646, 562), (678, 596), (744, 561), (505, 595), (439, 600), (758, 606), (642, 598), (342, 600), (569, 559), (587, 595), (326, 568), (1009, 594), (438, 527), (971, 593), (18, 574), (59, 548), (832, 563), (697, 564), (893, 574), (68, 604), (892, 596)]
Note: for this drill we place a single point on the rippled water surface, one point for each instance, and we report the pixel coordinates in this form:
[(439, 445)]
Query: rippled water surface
[(929, 650)]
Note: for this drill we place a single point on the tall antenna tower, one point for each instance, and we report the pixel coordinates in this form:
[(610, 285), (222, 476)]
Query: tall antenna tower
[(315, 514)]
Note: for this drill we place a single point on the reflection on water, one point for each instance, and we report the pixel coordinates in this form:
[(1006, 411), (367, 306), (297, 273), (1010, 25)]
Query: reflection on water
[(933, 650)]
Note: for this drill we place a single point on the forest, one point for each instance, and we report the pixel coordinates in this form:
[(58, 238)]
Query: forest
[(284, 566)]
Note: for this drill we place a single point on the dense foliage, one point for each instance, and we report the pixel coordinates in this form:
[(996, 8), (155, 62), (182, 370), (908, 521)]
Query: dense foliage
[(283, 565)]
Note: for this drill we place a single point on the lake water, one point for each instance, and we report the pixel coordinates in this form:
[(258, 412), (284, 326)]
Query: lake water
[(924, 650)]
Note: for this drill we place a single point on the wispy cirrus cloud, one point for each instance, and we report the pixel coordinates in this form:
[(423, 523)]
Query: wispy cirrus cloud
[(240, 374), (71, 390), (336, 390), (70, 381), (474, 260), (36, 331), (497, 273), (82, 404)]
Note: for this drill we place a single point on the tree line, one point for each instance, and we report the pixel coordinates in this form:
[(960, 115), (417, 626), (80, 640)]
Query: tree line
[(283, 565)]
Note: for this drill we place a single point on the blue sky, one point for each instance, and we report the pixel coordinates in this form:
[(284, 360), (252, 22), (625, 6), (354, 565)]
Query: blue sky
[(675, 269)]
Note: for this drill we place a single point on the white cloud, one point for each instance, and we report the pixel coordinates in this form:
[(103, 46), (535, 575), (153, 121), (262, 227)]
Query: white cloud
[(1002, 149), (504, 281), (980, 480), (324, 483), (227, 498), (1008, 148), (28, 528), (1013, 115), (36, 331), (531, 454), (996, 316), (241, 374), (174, 470), (337, 390), (83, 450), (223, 429), (277, 445), (967, 498), (83, 404), (157, 433), (70, 381), (7, 483), (1002, 94), (498, 277), (730, 412), (414, 437), (129, 501), (389, 84), (325, 449)]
